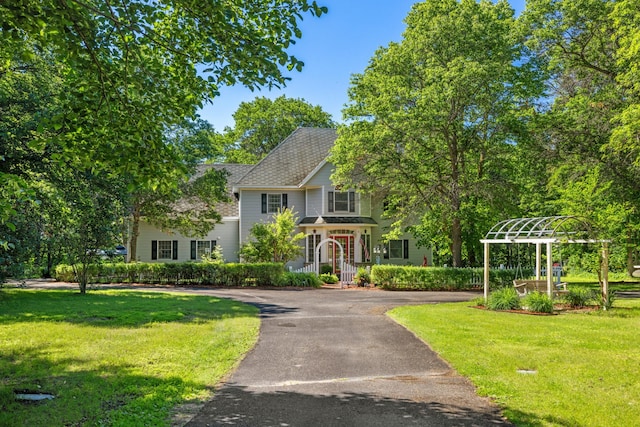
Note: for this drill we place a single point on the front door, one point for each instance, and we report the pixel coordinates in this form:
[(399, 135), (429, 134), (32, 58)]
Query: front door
[(347, 246)]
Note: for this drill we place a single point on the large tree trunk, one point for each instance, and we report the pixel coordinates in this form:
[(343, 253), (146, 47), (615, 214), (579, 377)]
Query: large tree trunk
[(456, 242), (135, 232)]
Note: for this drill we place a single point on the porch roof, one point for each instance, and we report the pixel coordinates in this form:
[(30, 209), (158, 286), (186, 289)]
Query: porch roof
[(316, 221)]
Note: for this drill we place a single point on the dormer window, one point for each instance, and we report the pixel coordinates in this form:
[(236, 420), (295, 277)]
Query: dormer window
[(342, 201)]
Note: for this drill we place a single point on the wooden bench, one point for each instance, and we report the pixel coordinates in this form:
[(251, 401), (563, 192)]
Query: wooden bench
[(525, 286)]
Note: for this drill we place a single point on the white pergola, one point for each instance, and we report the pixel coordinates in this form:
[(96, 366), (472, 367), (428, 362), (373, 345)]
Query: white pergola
[(547, 231)]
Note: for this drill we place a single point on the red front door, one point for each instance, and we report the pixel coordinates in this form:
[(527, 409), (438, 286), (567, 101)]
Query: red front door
[(347, 243)]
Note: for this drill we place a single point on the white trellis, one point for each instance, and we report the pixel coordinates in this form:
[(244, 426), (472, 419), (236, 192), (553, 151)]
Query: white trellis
[(544, 231)]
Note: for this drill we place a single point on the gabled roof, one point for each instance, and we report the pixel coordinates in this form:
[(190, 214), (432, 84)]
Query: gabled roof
[(228, 209), (292, 160)]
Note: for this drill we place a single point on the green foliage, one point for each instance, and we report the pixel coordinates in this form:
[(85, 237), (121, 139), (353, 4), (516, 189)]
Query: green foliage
[(436, 278), (431, 119), (503, 299), (187, 273), (329, 278), (262, 124), (300, 280), (538, 302), (111, 91), (274, 241), (579, 296), (326, 269), (606, 302), (215, 256), (362, 277)]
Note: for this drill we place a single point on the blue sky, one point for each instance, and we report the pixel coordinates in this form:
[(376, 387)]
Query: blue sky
[(333, 47)]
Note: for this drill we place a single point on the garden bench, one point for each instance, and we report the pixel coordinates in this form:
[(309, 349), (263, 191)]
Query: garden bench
[(525, 286)]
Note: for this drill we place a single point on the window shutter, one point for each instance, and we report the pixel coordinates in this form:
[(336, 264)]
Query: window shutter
[(264, 203), (406, 249), (193, 249), (352, 201), (154, 249), (330, 201), (213, 245), (285, 201), (388, 250), (175, 249)]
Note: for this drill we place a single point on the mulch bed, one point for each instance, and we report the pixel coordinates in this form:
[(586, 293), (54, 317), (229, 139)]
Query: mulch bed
[(557, 309)]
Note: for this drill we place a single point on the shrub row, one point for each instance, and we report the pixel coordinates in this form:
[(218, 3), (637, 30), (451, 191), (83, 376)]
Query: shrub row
[(394, 277), (190, 273)]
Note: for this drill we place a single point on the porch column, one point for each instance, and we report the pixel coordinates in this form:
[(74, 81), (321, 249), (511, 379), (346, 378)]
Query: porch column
[(486, 271), (538, 260), (549, 269)]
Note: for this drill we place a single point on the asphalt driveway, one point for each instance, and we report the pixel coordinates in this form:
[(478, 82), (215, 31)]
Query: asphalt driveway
[(333, 358)]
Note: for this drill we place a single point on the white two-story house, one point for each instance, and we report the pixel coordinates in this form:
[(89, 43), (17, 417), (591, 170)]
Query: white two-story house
[(295, 175)]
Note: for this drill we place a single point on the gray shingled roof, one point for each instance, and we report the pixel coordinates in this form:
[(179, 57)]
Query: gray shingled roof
[(230, 209), (292, 160)]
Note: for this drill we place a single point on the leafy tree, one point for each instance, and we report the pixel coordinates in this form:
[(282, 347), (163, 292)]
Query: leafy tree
[(274, 241), (586, 130), (134, 69), (432, 120), (90, 220), (189, 207), (262, 124)]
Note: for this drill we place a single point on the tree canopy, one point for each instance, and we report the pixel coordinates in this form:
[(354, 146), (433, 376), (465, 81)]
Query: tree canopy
[(95, 94), (131, 70), (431, 120), (263, 123)]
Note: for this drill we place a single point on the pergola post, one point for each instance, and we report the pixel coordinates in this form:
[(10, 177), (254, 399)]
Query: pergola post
[(538, 260), (605, 274), (549, 269), (486, 271)]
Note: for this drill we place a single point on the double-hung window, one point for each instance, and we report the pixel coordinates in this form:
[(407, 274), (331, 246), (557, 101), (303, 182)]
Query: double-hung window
[(273, 203), (342, 201), (164, 249), (200, 248), (397, 249)]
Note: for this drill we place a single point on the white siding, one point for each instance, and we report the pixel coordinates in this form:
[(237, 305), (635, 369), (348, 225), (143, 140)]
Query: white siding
[(251, 207), (225, 235), (322, 177), (314, 202), (416, 254)]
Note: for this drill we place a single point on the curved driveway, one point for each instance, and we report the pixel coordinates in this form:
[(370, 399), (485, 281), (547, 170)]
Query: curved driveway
[(331, 357)]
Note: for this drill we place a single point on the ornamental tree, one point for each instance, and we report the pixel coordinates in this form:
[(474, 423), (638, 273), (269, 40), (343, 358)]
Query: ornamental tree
[(274, 241)]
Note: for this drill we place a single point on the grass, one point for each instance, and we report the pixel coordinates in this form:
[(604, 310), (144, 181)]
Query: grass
[(617, 281), (117, 358), (586, 364)]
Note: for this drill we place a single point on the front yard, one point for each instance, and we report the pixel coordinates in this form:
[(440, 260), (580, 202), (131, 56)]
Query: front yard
[(123, 358), (572, 369)]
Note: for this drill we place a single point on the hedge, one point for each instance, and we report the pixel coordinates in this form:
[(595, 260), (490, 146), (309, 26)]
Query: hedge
[(189, 273), (394, 277)]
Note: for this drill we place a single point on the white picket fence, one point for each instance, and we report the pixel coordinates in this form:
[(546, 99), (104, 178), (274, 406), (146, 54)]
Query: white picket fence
[(306, 269), (347, 272)]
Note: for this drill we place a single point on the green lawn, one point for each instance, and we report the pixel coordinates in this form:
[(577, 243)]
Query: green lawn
[(587, 366), (117, 358)]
